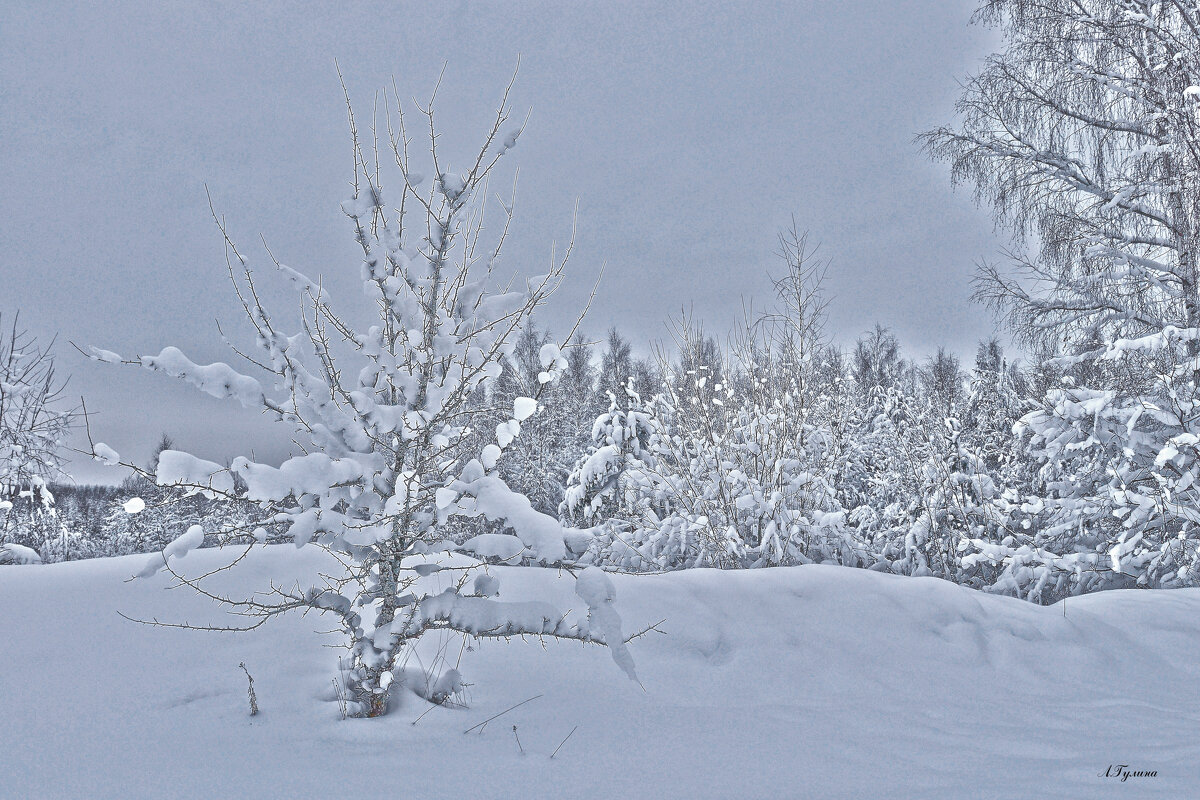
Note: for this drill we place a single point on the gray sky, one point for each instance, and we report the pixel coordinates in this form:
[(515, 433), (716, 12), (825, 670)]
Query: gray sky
[(689, 135)]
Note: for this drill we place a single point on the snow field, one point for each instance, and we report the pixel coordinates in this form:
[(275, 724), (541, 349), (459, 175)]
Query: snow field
[(811, 681)]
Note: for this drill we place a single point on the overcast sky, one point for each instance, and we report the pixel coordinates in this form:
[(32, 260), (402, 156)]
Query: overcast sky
[(689, 134)]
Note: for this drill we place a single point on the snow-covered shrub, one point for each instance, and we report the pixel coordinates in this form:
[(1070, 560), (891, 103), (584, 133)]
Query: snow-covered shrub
[(12, 553), (384, 404)]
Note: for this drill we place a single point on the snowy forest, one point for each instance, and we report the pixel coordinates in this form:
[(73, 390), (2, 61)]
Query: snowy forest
[(450, 441), (776, 447)]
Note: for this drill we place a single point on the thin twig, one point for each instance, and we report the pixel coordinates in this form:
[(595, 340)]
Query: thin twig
[(564, 741), (646, 630), (502, 713)]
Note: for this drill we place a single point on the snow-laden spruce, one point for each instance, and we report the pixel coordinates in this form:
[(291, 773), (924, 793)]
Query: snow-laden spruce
[(384, 408)]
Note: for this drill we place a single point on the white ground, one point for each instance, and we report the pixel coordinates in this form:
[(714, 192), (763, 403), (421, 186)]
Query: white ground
[(809, 682)]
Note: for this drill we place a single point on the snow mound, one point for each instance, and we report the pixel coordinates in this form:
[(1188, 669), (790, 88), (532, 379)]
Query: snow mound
[(12, 553)]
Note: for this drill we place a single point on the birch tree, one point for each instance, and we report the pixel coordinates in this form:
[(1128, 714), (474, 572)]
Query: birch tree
[(1082, 135)]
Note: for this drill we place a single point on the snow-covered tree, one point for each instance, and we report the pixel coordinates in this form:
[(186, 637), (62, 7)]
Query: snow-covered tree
[(145, 517), (954, 501), (34, 422), (943, 382), (577, 400), (616, 368), (612, 483), (1083, 134), (383, 402), (877, 364), (995, 402), (536, 463)]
